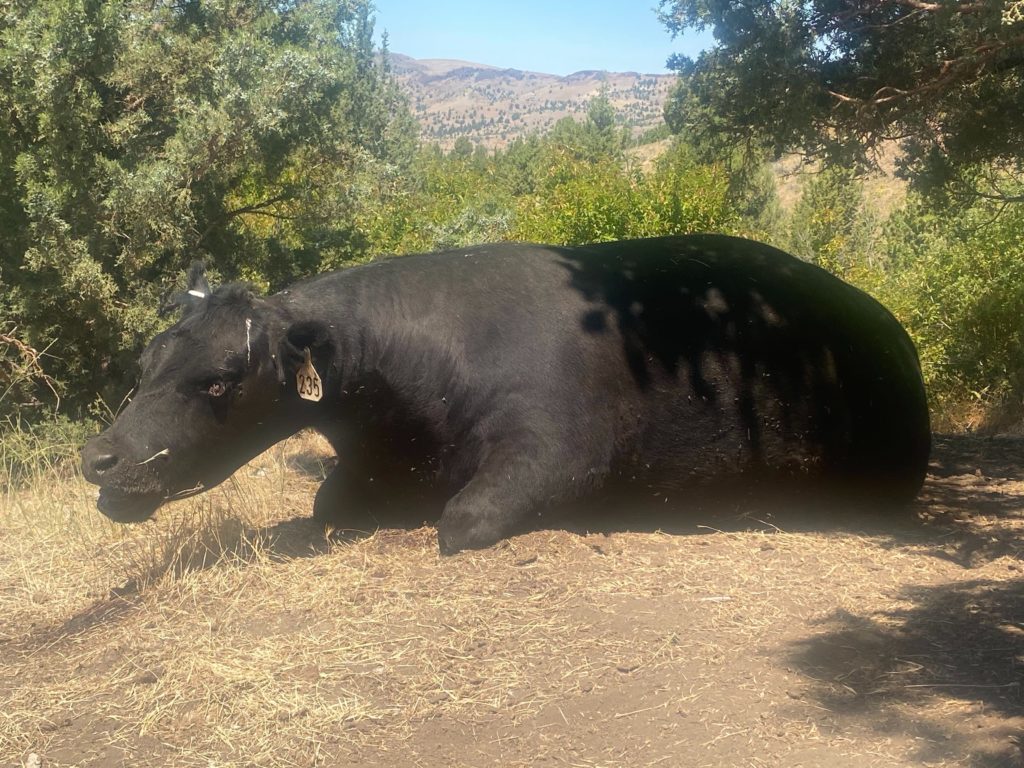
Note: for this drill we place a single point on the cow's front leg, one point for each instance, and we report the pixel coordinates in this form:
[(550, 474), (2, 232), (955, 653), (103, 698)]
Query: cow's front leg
[(347, 499), (510, 490)]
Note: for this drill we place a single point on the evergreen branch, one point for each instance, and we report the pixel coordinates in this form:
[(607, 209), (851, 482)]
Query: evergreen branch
[(255, 208)]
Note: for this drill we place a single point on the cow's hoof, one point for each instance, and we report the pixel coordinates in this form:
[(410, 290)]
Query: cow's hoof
[(448, 544), (453, 536)]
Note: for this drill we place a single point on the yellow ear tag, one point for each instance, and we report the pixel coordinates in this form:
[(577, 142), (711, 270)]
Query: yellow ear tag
[(308, 381)]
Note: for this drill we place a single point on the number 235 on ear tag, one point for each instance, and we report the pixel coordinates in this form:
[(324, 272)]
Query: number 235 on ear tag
[(308, 380)]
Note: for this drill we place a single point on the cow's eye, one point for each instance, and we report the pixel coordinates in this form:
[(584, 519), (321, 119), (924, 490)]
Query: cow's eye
[(217, 389)]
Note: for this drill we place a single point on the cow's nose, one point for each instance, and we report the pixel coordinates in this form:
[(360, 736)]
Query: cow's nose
[(104, 463)]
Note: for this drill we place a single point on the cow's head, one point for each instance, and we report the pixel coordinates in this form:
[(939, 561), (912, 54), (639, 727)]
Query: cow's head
[(217, 388)]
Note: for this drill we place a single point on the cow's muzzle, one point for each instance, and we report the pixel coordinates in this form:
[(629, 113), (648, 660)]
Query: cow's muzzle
[(126, 507), (129, 492)]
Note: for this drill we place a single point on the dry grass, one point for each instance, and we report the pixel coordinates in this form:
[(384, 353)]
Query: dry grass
[(231, 633), (883, 191)]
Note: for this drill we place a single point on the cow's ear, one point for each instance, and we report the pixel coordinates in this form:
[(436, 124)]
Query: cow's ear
[(194, 295), (295, 340), (198, 286)]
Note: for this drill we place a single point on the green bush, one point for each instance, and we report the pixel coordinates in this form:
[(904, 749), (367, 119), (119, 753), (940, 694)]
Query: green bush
[(584, 202), (957, 281), (830, 225), (138, 136), (40, 450)]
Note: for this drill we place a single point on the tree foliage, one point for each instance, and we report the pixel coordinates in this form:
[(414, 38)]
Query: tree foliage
[(603, 199), (138, 135), (572, 185), (957, 282), (830, 225), (834, 79), (953, 277), (268, 138)]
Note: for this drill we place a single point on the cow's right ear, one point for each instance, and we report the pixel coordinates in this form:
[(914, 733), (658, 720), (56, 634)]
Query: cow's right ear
[(192, 297), (295, 340)]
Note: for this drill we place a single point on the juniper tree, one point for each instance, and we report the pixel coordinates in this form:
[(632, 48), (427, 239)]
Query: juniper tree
[(834, 79)]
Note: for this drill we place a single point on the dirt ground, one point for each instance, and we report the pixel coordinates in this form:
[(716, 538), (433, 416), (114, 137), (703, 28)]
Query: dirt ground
[(231, 633)]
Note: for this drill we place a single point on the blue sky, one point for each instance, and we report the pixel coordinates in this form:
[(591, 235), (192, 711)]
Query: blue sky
[(554, 37)]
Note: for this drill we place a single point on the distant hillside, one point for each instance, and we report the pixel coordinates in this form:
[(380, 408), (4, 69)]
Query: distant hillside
[(492, 106)]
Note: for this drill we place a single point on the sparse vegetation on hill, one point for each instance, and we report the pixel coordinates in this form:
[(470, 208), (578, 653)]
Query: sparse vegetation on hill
[(492, 107)]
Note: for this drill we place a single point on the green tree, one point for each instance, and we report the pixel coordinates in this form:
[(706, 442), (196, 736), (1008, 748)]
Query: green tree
[(140, 135), (584, 201), (463, 147), (442, 200), (836, 79), (600, 128), (956, 280), (830, 225), (594, 139)]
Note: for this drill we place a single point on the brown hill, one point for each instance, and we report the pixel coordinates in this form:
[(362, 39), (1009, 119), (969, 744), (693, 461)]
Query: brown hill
[(492, 106)]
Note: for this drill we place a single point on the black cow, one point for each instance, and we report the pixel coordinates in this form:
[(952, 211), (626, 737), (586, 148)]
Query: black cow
[(510, 379)]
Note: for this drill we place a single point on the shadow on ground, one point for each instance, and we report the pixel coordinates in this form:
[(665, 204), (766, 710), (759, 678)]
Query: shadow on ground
[(298, 537), (959, 647), (970, 510), (974, 498), (994, 456), (313, 464)]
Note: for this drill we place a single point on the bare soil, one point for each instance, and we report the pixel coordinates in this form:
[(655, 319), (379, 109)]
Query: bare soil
[(231, 632)]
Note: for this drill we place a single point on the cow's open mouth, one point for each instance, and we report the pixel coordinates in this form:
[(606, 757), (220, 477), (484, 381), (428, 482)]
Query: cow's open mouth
[(127, 508)]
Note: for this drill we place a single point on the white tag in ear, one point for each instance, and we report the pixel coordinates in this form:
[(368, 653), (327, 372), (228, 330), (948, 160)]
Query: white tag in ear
[(308, 380)]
